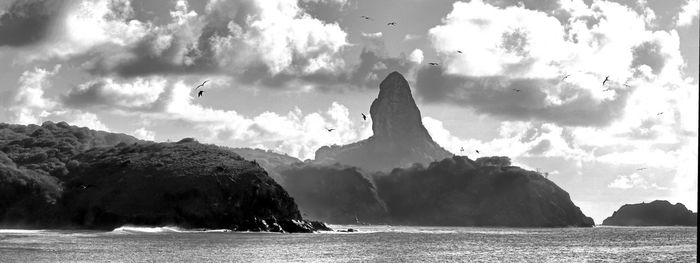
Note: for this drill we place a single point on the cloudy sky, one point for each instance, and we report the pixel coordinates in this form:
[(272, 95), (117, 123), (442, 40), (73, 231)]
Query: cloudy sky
[(280, 71)]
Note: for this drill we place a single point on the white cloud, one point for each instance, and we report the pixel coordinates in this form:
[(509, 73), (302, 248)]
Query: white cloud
[(372, 35), (106, 92), (31, 106), (294, 133), (85, 25), (144, 134), (634, 180), (416, 56), (690, 11), (282, 37)]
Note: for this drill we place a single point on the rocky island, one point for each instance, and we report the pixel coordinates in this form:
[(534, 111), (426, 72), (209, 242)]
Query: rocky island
[(656, 213), (61, 176)]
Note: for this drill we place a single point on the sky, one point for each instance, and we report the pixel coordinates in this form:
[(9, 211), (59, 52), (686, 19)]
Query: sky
[(522, 79)]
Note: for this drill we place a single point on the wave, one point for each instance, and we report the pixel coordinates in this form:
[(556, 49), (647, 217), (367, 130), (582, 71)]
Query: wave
[(164, 229), (20, 231)]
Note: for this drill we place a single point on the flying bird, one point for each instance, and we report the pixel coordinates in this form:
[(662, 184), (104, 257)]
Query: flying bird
[(364, 117), (659, 113), (391, 24), (330, 130), (201, 85), (433, 64), (459, 51), (606, 80), (84, 186), (516, 90), (640, 169), (477, 151), (366, 17), (461, 149), (199, 94), (565, 76)]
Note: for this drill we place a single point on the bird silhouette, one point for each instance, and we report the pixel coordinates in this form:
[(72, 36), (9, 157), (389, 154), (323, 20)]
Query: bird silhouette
[(366, 17), (86, 186), (477, 151), (330, 130), (640, 169), (516, 90), (433, 64), (364, 117), (201, 85), (461, 149), (199, 94), (391, 24), (565, 76), (459, 51), (659, 113), (606, 80)]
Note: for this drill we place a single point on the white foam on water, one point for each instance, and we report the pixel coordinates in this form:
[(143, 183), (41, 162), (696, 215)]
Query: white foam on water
[(20, 231), (164, 229), (141, 229)]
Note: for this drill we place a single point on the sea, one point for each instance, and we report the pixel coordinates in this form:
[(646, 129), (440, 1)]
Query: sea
[(368, 244)]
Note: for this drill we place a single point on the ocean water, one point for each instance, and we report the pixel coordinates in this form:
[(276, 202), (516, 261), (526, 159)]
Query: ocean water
[(370, 244)]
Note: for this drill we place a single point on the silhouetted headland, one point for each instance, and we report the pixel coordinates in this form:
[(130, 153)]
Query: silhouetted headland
[(656, 213)]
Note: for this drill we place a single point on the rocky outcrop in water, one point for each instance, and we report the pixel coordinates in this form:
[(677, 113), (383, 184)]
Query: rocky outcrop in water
[(399, 138), (60, 176), (656, 213)]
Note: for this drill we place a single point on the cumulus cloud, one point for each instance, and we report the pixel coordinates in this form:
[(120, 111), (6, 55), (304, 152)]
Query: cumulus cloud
[(526, 63), (416, 56), (240, 38), (108, 93), (690, 11), (144, 134), (68, 28), (31, 106), (549, 100), (634, 180)]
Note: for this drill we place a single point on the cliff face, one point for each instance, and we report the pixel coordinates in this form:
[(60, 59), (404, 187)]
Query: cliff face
[(399, 138), (460, 192), (336, 193), (656, 213), (44, 183)]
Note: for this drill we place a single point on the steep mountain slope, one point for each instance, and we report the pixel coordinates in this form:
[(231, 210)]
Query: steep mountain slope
[(399, 138)]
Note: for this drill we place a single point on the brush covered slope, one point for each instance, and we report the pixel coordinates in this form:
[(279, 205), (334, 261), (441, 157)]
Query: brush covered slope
[(656, 213), (460, 192), (99, 186), (333, 193)]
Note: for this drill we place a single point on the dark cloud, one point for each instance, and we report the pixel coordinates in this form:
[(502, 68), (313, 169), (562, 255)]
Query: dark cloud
[(649, 53), (368, 73), (143, 60), (96, 95), (495, 95), (28, 21), (91, 95), (541, 147)]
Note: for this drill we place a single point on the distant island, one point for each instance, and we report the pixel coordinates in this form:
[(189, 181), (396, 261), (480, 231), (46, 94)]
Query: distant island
[(656, 213)]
